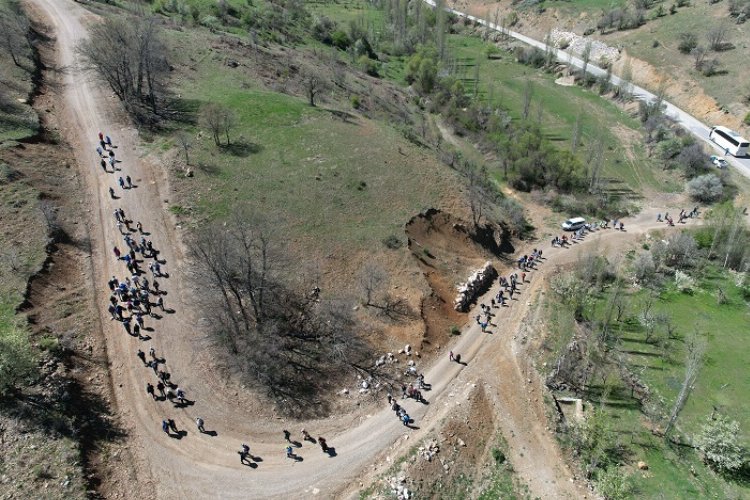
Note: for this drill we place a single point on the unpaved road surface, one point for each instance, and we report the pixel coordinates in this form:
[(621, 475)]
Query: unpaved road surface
[(199, 466)]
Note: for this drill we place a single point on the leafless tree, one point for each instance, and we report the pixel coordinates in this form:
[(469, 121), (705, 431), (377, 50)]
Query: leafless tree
[(278, 336), (696, 348), (219, 120), (185, 142), (528, 94), (699, 54), (129, 54), (717, 37), (586, 58), (373, 280), (477, 193), (313, 86), (15, 32), (575, 139)]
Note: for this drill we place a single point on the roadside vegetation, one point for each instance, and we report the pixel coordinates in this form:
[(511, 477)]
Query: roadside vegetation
[(652, 342), (686, 43), (19, 70)]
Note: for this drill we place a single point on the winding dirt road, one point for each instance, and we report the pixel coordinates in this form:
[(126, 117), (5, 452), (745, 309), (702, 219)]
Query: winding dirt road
[(203, 466)]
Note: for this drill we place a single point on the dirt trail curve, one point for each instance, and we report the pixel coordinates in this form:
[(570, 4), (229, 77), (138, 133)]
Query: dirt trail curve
[(201, 466)]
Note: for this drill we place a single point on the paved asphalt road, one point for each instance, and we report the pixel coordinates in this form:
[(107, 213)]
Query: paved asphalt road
[(687, 121)]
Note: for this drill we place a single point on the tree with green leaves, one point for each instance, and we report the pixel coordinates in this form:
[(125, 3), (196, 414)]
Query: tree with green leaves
[(719, 441)]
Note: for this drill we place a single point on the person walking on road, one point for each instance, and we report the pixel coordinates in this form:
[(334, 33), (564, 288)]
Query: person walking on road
[(451, 357), (165, 427), (199, 423), (150, 391), (244, 454), (142, 355), (323, 444)]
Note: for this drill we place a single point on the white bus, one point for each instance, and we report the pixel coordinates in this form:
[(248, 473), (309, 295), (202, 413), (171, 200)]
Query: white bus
[(730, 140)]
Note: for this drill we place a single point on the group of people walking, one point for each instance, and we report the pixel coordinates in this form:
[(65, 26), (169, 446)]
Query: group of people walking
[(134, 298)]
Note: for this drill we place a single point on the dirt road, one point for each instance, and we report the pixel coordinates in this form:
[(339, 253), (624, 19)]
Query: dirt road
[(204, 466)]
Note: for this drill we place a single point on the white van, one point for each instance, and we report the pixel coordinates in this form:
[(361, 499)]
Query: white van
[(574, 224)]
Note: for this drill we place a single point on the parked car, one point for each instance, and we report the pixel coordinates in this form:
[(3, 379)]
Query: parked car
[(574, 224), (719, 161)]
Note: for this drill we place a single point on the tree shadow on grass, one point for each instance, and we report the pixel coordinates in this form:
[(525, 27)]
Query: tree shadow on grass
[(241, 148)]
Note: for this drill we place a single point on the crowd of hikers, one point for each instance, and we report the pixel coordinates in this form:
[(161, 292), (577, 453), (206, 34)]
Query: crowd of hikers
[(136, 298)]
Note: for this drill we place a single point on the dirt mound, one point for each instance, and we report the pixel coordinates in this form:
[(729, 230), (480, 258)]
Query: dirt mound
[(447, 251)]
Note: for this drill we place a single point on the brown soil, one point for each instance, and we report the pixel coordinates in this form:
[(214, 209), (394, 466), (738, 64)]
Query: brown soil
[(447, 254), (59, 301), (464, 440)]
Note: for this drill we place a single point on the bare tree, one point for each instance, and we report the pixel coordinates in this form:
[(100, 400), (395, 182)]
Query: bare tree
[(220, 120), (696, 348), (130, 56), (717, 37), (228, 122), (477, 193), (576, 136), (586, 58), (528, 94), (185, 142), (699, 54), (313, 86), (373, 279)]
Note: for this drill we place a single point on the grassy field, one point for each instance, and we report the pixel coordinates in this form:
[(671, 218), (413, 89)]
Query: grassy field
[(730, 86), (675, 471), (329, 183), (503, 81)]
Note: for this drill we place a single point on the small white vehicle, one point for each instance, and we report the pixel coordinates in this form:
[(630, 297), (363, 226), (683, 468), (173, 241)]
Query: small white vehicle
[(719, 161), (574, 224)]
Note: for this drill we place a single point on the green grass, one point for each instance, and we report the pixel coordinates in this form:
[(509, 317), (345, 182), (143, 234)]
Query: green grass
[(720, 384), (503, 81), (327, 182)]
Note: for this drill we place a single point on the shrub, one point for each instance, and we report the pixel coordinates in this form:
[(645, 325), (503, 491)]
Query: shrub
[(340, 40), (455, 330), (498, 455), (684, 282), (355, 102), (706, 188), (393, 242), (719, 442), (688, 41), (747, 119), (368, 66), (16, 358)]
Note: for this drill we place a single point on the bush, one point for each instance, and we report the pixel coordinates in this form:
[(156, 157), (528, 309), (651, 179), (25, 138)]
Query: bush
[(719, 442), (747, 119), (393, 242), (688, 41), (368, 66), (455, 330), (16, 359), (706, 188), (322, 28), (498, 455), (684, 283), (340, 40), (355, 102)]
